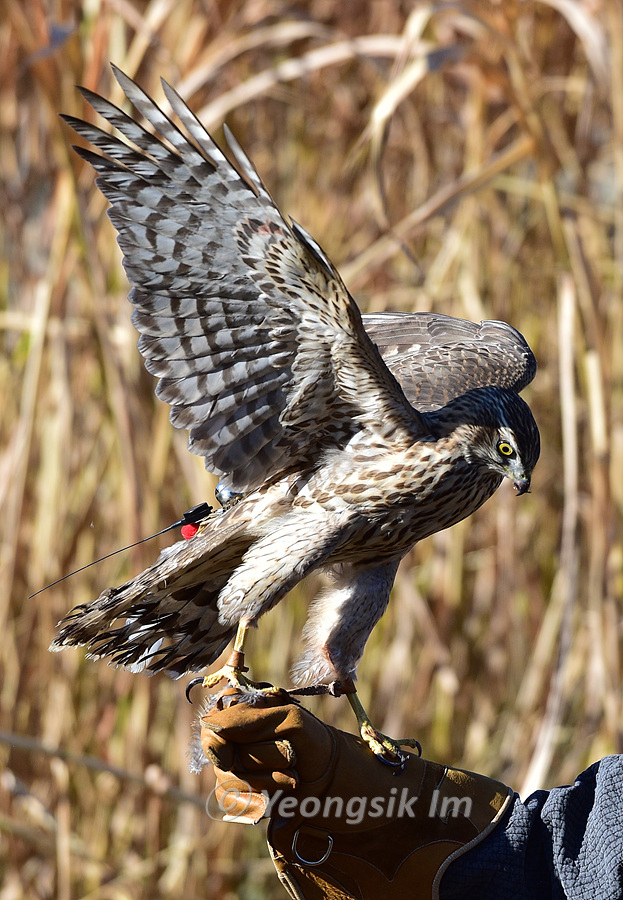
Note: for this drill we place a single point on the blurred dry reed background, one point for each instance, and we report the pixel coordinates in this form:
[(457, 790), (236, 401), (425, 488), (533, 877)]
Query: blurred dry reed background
[(466, 158)]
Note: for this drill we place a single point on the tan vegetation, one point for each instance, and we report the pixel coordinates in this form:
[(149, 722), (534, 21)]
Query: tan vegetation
[(466, 158)]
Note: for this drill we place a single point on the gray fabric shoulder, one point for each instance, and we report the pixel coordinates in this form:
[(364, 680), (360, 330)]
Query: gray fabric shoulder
[(563, 843)]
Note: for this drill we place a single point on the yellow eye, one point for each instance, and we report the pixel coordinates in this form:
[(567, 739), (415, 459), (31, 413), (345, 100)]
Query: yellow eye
[(505, 448)]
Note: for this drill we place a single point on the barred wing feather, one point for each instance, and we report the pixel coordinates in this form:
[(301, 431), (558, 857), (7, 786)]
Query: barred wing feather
[(258, 346)]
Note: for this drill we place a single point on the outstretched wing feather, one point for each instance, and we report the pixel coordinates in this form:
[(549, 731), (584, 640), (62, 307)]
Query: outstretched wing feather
[(437, 358), (234, 303)]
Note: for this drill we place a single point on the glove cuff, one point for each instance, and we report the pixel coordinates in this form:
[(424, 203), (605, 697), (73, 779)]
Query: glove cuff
[(402, 857)]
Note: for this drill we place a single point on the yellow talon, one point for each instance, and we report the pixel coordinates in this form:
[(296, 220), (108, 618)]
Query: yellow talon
[(234, 669), (234, 675), (386, 748)]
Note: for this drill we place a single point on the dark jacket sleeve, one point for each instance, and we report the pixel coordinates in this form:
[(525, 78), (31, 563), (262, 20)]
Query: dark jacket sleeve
[(562, 844)]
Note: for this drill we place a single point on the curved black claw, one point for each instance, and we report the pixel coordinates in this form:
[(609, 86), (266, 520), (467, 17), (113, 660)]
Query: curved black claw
[(191, 685), (398, 764)]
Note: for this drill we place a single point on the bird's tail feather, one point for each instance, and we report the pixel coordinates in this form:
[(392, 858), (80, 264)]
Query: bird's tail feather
[(166, 618)]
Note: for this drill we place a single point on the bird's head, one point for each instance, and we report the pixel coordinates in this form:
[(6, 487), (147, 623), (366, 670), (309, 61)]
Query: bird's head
[(501, 450), (502, 433), (508, 441)]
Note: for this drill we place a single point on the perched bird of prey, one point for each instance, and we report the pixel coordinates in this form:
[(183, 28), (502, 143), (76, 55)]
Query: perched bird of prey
[(348, 438)]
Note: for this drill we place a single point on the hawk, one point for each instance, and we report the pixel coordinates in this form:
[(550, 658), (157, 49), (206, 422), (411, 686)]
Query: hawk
[(345, 439)]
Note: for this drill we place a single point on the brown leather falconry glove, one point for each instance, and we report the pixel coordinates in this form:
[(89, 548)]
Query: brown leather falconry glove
[(342, 825)]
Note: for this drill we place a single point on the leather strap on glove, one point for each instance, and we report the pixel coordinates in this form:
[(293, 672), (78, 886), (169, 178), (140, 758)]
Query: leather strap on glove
[(342, 825)]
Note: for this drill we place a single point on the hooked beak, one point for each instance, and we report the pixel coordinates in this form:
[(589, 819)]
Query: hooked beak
[(521, 485)]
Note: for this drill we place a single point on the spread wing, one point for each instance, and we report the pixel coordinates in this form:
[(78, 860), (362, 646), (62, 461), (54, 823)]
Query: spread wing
[(437, 358), (258, 347)]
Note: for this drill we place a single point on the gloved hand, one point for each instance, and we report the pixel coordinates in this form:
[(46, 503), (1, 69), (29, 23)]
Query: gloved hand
[(342, 825)]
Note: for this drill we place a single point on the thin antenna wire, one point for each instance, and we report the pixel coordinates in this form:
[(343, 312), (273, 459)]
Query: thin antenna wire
[(190, 517)]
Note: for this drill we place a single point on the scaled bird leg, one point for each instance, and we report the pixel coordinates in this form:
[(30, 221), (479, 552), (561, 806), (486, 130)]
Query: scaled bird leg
[(387, 749), (234, 669)]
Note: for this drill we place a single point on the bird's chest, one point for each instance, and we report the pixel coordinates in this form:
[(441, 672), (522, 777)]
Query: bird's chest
[(400, 498)]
